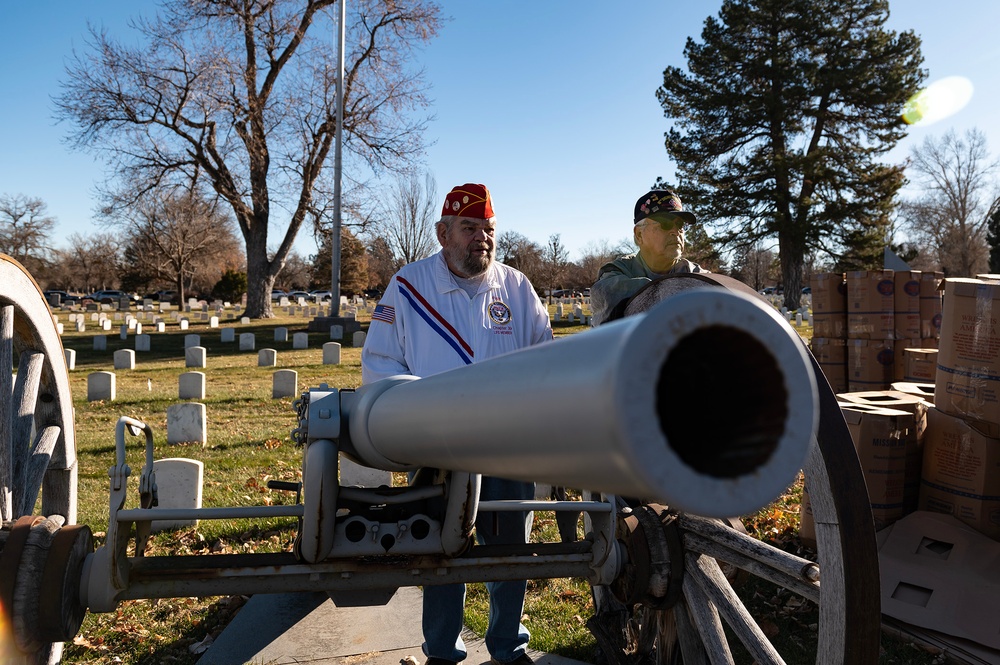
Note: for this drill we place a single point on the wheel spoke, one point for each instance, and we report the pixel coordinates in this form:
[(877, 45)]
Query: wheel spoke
[(705, 616), (786, 570), (709, 577), (692, 648), (41, 453), (29, 375), (7, 451)]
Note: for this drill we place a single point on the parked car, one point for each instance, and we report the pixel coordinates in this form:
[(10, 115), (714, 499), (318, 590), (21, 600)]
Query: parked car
[(166, 295), (111, 296), (373, 294), (295, 295), (320, 296), (64, 296), (278, 294)]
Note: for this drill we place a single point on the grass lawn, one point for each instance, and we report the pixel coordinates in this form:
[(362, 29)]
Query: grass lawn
[(249, 443)]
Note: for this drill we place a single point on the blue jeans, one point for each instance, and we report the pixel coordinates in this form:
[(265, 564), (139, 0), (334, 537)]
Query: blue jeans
[(444, 605)]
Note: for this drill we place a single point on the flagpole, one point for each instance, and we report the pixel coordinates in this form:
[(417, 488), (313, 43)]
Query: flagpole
[(337, 167)]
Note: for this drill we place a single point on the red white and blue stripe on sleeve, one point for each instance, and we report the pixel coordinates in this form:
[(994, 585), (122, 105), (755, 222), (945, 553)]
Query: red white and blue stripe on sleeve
[(434, 319)]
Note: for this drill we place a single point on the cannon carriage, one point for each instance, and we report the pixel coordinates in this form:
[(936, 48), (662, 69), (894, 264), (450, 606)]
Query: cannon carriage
[(702, 404)]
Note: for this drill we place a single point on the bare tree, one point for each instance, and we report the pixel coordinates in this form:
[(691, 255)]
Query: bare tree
[(960, 195), (514, 249), (554, 262), (381, 263), (174, 235), (89, 262), (407, 219), (25, 229), (242, 95), (756, 266), (297, 273), (596, 254)]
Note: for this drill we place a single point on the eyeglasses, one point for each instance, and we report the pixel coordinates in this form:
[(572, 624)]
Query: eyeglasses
[(667, 223)]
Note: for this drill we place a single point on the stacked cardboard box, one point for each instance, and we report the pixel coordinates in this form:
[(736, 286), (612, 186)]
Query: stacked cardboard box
[(930, 305), (829, 316), (871, 329), (912, 434), (961, 463)]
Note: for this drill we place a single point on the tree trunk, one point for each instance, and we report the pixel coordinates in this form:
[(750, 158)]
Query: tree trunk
[(260, 282), (791, 253)]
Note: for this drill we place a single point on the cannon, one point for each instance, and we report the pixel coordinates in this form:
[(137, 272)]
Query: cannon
[(701, 405)]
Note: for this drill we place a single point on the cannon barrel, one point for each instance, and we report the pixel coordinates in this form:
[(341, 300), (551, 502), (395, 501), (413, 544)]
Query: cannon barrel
[(706, 402)]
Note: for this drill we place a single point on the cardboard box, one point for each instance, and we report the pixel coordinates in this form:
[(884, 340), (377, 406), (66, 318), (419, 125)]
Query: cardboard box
[(869, 364), (917, 408), (829, 292), (920, 365), (831, 354), (870, 304), (961, 472), (923, 390), (899, 357), (930, 304), (906, 304), (882, 438), (830, 326), (967, 380), (937, 573)]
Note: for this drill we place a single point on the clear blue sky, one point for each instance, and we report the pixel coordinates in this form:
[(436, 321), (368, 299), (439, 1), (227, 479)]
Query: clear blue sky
[(550, 104)]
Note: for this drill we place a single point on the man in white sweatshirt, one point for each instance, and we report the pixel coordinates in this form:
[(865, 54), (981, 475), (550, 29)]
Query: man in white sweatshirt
[(452, 309)]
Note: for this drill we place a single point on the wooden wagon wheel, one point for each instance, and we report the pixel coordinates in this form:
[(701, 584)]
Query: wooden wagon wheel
[(710, 622), (40, 552)]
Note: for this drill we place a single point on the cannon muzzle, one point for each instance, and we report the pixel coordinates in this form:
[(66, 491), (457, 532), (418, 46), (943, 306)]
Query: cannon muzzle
[(707, 402)]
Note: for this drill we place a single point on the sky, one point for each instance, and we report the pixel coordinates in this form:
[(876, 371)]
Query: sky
[(551, 104)]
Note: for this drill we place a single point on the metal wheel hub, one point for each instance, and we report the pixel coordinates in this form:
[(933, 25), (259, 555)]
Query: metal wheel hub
[(654, 570)]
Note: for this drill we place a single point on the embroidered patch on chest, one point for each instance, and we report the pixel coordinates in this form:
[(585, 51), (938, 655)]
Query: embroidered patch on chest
[(499, 312)]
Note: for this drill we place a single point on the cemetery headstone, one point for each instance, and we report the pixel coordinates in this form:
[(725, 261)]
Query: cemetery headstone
[(70, 356), (142, 342), (187, 423), (124, 359), (300, 340), (194, 356), (228, 334), (267, 358), (179, 484), (101, 386), (191, 385), (285, 384), (246, 342), (331, 353)]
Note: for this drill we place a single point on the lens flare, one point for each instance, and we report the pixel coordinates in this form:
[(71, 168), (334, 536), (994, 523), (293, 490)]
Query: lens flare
[(939, 100)]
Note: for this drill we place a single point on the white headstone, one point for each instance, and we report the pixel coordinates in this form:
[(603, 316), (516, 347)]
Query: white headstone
[(331, 353), (192, 340), (228, 334), (245, 320), (59, 328), (194, 356), (285, 383), (106, 324), (267, 358), (246, 342), (138, 328), (70, 359), (161, 326), (352, 473), (187, 423), (178, 485), (100, 342), (798, 319), (101, 386), (281, 334), (184, 324), (142, 342), (337, 332), (191, 385), (300, 340), (124, 359), (359, 339), (213, 322), (81, 325)]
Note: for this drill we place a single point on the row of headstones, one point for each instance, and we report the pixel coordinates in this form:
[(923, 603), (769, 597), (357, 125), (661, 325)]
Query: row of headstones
[(575, 315), (102, 386), (247, 341)]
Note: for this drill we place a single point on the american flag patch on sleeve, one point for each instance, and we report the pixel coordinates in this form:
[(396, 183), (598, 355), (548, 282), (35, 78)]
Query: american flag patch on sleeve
[(386, 313)]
